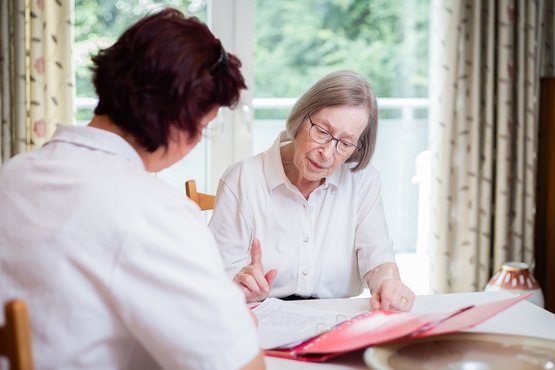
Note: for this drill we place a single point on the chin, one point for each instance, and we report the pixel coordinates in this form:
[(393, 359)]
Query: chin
[(315, 176)]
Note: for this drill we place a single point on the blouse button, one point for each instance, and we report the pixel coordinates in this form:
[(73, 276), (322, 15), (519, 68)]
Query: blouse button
[(305, 272), (305, 239)]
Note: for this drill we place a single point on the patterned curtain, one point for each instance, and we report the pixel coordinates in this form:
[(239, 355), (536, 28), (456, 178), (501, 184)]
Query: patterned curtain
[(484, 89), (36, 73)]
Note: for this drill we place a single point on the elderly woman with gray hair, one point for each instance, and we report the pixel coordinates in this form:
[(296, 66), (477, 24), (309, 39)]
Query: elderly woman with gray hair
[(309, 209)]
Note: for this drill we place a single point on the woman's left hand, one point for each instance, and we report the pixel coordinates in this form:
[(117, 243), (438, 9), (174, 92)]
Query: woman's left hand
[(392, 295)]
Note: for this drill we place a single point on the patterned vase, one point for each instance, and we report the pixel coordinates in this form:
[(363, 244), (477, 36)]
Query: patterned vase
[(515, 277)]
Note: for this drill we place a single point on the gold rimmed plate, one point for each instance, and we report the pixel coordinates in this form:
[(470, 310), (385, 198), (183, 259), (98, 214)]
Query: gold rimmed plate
[(464, 351)]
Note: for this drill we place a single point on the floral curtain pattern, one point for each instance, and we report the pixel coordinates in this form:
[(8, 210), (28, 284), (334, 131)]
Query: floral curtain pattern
[(36, 72), (484, 88)]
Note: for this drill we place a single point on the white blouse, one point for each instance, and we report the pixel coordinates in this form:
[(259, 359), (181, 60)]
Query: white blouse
[(321, 247), (118, 269)]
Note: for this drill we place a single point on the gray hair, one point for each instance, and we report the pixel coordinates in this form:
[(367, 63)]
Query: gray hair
[(340, 88)]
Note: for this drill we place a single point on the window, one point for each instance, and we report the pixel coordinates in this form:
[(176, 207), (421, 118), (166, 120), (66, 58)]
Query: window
[(97, 25), (298, 42), (285, 47)]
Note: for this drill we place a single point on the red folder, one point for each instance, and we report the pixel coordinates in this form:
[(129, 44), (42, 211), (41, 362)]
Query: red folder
[(377, 327)]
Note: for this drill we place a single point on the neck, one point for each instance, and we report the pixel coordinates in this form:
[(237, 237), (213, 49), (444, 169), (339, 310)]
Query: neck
[(306, 187), (150, 160)]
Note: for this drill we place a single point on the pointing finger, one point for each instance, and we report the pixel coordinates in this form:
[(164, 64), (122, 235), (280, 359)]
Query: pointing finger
[(256, 253)]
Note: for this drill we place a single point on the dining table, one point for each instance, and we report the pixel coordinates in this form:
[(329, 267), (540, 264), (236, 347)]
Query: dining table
[(522, 319)]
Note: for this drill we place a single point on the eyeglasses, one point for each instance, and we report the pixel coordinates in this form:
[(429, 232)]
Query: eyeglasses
[(322, 136)]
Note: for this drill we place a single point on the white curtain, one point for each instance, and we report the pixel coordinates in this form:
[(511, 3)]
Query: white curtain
[(484, 89), (36, 72)]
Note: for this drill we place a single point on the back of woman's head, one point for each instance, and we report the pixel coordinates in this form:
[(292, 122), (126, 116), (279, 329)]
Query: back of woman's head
[(164, 70), (338, 88)]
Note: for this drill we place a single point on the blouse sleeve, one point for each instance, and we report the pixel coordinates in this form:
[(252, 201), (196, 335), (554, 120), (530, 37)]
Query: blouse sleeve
[(173, 295), (229, 225), (372, 241)]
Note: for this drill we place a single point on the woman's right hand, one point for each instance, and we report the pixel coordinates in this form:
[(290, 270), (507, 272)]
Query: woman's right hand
[(255, 284)]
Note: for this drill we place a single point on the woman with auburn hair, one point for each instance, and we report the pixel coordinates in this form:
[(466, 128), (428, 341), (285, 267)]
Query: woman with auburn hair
[(118, 270), (309, 210)]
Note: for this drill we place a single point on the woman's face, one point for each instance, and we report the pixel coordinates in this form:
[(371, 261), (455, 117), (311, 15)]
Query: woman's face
[(316, 161)]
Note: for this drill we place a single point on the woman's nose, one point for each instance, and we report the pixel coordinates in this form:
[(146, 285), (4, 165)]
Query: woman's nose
[(328, 149)]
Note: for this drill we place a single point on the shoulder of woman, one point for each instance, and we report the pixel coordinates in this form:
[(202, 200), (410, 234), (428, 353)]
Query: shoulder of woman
[(367, 175), (241, 169)]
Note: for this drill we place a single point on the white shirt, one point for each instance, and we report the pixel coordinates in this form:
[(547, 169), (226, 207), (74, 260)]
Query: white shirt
[(321, 247), (119, 270)]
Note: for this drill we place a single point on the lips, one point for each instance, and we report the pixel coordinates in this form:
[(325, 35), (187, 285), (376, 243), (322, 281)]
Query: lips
[(316, 164)]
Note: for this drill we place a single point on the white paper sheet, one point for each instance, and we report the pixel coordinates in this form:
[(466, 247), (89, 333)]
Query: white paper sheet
[(283, 324)]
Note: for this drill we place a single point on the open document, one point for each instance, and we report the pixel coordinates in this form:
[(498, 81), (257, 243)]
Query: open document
[(292, 331), (284, 325)]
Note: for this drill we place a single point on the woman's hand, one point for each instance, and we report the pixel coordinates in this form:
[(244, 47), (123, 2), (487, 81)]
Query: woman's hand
[(255, 284), (392, 295), (388, 292)]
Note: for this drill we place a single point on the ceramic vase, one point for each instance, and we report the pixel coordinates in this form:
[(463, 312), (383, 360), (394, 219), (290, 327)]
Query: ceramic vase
[(515, 277)]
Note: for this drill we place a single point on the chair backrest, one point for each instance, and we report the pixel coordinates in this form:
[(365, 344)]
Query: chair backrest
[(15, 336), (204, 201)]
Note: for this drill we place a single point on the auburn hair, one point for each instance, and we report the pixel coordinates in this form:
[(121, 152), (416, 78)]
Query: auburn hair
[(166, 69)]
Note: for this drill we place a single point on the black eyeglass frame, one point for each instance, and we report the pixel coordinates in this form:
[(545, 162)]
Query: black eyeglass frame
[(331, 137)]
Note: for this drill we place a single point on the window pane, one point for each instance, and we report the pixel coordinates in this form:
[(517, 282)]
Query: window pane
[(298, 42), (97, 25)]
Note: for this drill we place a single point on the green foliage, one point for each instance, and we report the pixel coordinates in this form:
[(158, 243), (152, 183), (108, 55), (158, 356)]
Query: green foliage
[(99, 23), (297, 42)]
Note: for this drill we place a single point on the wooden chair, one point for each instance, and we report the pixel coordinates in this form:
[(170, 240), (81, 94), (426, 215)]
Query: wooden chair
[(15, 336), (204, 201)]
